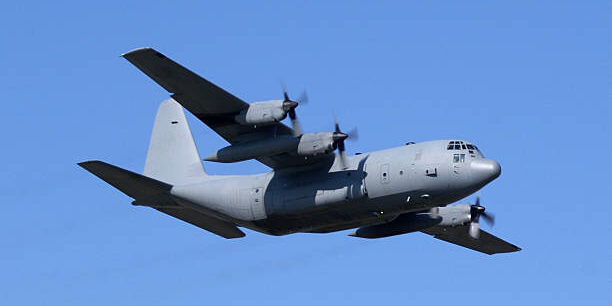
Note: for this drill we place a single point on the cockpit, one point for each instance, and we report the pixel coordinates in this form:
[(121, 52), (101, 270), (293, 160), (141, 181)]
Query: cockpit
[(462, 146)]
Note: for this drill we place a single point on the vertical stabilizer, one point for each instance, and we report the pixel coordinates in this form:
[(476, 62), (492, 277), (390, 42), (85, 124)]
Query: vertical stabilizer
[(173, 157)]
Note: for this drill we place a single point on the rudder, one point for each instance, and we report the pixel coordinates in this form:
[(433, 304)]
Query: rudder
[(173, 157)]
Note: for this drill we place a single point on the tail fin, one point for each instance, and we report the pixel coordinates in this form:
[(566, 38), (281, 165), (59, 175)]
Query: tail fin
[(173, 157)]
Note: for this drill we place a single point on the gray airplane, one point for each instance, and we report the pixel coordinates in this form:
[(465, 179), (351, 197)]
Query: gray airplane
[(310, 189)]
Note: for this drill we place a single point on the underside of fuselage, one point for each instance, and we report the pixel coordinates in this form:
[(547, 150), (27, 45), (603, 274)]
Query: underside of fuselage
[(345, 216)]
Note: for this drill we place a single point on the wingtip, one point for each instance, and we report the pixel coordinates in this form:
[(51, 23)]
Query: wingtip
[(86, 164), (135, 51)]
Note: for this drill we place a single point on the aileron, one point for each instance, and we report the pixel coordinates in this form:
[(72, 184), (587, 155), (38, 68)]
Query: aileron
[(195, 93), (459, 235)]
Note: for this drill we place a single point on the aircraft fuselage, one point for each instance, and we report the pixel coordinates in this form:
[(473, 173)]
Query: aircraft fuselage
[(374, 188)]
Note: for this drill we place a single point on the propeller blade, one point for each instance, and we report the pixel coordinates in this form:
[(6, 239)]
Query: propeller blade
[(339, 138), (297, 128), (474, 230), (353, 134), (343, 159), (489, 218), (290, 105), (285, 94), (476, 211), (292, 115), (303, 98)]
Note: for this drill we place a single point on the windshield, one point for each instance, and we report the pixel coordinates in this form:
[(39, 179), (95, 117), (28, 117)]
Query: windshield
[(463, 146)]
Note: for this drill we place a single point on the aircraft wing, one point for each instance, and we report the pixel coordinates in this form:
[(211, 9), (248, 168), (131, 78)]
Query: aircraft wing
[(486, 243), (211, 104)]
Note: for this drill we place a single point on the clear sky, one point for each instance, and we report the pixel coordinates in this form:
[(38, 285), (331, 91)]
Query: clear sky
[(528, 81)]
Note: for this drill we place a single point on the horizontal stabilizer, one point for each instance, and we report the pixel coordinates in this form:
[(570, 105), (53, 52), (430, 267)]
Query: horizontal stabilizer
[(141, 188), (211, 224), (150, 192)]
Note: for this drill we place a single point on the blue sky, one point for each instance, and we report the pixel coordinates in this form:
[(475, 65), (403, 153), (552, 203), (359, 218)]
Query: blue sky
[(528, 81)]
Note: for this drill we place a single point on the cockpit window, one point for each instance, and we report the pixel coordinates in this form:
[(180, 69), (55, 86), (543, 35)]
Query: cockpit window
[(461, 145), (456, 145)]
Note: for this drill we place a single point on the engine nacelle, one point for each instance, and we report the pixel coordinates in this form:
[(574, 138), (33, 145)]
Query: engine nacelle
[(262, 113), (316, 143), (254, 149), (306, 145), (412, 222), (453, 215)]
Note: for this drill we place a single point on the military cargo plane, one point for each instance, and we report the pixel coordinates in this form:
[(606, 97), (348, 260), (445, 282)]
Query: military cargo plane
[(311, 188)]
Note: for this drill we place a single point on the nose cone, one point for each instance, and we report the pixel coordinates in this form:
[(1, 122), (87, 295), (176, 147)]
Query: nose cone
[(485, 170)]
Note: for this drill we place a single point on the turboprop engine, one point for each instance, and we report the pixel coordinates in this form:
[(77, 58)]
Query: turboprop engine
[(317, 143), (306, 145), (265, 112), (412, 222)]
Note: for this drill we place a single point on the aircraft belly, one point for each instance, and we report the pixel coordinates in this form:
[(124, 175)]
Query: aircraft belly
[(309, 221), (331, 218)]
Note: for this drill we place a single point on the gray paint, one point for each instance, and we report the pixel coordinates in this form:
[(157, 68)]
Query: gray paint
[(310, 189)]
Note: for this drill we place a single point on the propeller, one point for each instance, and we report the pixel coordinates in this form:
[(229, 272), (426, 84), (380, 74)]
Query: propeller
[(476, 211), (289, 107), (338, 137)]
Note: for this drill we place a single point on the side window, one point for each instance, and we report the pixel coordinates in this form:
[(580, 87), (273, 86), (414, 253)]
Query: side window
[(458, 158)]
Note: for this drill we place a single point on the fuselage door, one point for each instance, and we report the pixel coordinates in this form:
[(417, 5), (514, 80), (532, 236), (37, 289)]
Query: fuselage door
[(257, 206), (250, 205)]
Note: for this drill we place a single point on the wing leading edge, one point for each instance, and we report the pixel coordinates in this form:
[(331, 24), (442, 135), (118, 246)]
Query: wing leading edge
[(459, 235), (211, 104)]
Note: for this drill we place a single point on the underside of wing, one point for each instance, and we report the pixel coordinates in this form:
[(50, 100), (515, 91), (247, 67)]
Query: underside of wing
[(485, 243), (211, 224), (213, 105)]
